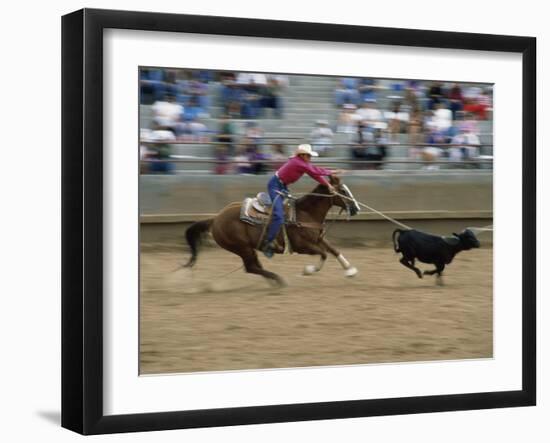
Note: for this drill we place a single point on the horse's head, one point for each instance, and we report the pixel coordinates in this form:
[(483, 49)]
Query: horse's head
[(345, 199)]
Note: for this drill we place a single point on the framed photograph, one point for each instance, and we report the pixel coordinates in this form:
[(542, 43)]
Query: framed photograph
[(268, 221)]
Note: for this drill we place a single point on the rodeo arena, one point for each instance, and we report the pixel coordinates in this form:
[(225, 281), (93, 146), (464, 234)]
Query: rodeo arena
[(385, 249)]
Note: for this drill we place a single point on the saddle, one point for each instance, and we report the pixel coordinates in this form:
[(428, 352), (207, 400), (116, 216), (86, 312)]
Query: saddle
[(257, 210)]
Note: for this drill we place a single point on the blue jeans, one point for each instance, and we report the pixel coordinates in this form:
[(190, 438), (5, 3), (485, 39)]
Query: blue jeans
[(278, 217)]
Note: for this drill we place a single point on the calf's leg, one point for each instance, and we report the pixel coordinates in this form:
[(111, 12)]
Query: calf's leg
[(410, 264), (439, 278), (438, 270)]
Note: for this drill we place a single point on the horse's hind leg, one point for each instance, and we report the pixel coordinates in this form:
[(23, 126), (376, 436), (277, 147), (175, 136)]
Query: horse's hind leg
[(253, 266), (350, 270)]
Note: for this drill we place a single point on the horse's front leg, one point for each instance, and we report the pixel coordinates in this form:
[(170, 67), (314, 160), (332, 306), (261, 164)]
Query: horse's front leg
[(349, 270), (314, 250), (312, 269), (303, 243)]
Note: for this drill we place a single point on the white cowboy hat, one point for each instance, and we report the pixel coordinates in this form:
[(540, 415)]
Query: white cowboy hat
[(305, 149)]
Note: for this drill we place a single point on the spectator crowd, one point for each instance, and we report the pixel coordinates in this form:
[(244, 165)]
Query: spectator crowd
[(434, 119), (426, 116)]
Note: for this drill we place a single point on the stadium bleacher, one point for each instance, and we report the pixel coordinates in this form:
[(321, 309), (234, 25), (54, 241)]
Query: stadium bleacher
[(305, 100)]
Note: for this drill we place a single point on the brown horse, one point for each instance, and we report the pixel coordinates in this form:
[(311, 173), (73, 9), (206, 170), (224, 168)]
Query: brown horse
[(305, 237)]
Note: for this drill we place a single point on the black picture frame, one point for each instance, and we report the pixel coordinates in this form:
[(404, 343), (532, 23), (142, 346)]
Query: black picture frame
[(82, 219)]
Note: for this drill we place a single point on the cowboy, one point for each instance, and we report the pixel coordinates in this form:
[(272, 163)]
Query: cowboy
[(290, 172)]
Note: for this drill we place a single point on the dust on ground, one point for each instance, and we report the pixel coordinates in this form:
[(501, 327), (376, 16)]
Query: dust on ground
[(197, 320)]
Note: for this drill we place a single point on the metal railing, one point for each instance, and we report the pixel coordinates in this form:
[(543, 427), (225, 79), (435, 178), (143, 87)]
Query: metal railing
[(348, 144), (322, 161), (353, 163)]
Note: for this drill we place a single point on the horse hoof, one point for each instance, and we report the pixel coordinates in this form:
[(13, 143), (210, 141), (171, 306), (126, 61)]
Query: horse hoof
[(310, 269), (351, 272)]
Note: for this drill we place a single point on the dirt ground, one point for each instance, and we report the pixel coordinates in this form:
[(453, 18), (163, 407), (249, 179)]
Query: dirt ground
[(201, 320)]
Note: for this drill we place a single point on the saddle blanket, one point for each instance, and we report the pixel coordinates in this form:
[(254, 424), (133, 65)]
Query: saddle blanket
[(257, 210)]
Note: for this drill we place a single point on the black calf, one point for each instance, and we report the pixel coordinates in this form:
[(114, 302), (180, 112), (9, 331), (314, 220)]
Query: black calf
[(429, 248)]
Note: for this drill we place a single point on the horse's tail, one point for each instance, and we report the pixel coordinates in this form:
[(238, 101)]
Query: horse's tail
[(194, 235), (394, 238)]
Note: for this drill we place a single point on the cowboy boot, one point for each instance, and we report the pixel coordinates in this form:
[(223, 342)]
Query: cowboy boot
[(268, 248)]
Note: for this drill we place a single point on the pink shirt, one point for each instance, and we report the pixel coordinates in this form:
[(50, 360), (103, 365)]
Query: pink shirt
[(295, 167)]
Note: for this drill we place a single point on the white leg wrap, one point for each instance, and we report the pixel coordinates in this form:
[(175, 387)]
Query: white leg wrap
[(350, 270), (342, 260)]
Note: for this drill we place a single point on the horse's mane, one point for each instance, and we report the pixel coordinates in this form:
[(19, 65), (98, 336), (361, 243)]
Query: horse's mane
[(308, 198)]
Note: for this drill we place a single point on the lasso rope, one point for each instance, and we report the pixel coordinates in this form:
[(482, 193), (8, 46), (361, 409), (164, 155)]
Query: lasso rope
[(387, 217), (488, 228)]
